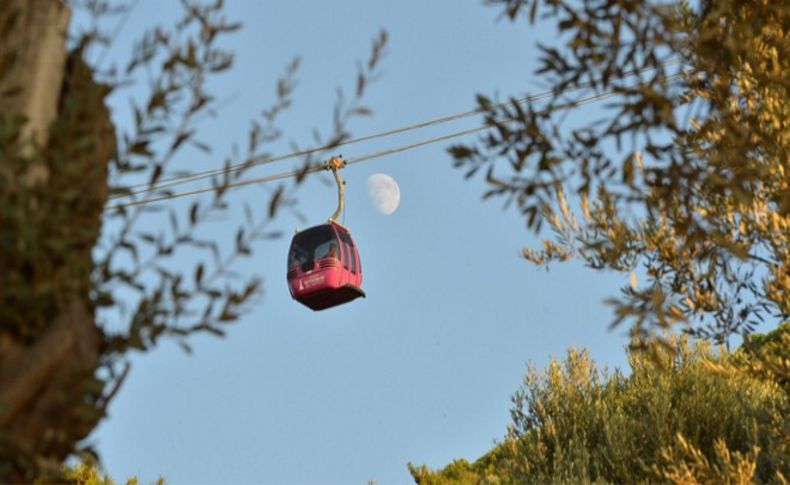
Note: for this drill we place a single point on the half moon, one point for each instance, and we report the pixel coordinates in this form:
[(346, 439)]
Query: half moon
[(384, 193)]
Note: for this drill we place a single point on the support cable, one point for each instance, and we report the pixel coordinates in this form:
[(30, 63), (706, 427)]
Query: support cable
[(265, 160), (355, 160)]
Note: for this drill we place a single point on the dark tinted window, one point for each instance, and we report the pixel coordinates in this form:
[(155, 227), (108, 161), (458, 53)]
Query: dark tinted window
[(349, 256), (350, 248), (315, 243)]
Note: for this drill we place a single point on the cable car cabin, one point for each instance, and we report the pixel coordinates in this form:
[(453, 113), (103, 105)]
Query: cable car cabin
[(323, 267)]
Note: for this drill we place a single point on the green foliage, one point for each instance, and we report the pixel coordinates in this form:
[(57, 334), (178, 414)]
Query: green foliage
[(457, 472), (47, 260), (88, 271), (683, 177), (768, 356), (487, 469), (686, 414), (685, 172), (88, 473)]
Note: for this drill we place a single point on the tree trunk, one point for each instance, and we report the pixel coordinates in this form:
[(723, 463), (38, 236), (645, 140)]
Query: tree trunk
[(53, 187), (37, 44)]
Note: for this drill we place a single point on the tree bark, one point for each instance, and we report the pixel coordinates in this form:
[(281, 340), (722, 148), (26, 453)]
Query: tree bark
[(54, 187), (42, 395), (37, 46)]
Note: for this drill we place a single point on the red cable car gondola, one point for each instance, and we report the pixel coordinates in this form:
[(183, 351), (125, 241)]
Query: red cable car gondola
[(324, 269)]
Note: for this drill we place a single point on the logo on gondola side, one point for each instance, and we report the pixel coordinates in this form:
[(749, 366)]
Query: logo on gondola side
[(311, 281)]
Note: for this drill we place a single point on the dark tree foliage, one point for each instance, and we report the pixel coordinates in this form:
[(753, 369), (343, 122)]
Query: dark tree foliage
[(682, 175), (686, 415), (86, 280)]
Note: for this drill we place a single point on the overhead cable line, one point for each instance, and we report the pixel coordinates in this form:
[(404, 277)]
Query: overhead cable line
[(143, 188), (351, 161), (258, 161), (294, 173)]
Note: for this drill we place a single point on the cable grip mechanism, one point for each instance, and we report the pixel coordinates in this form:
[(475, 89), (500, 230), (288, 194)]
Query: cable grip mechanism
[(335, 164)]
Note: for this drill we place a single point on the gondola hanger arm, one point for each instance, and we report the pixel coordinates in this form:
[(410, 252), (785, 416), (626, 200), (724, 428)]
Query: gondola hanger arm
[(335, 164)]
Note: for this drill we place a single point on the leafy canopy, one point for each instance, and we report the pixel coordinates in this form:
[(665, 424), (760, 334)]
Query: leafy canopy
[(682, 176), (688, 416), (90, 273)]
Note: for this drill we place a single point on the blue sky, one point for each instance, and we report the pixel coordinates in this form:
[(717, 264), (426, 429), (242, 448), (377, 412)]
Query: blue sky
[(422, 370)]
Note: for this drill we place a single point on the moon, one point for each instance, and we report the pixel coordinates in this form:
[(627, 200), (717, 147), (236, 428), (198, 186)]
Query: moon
[(384, 193)]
